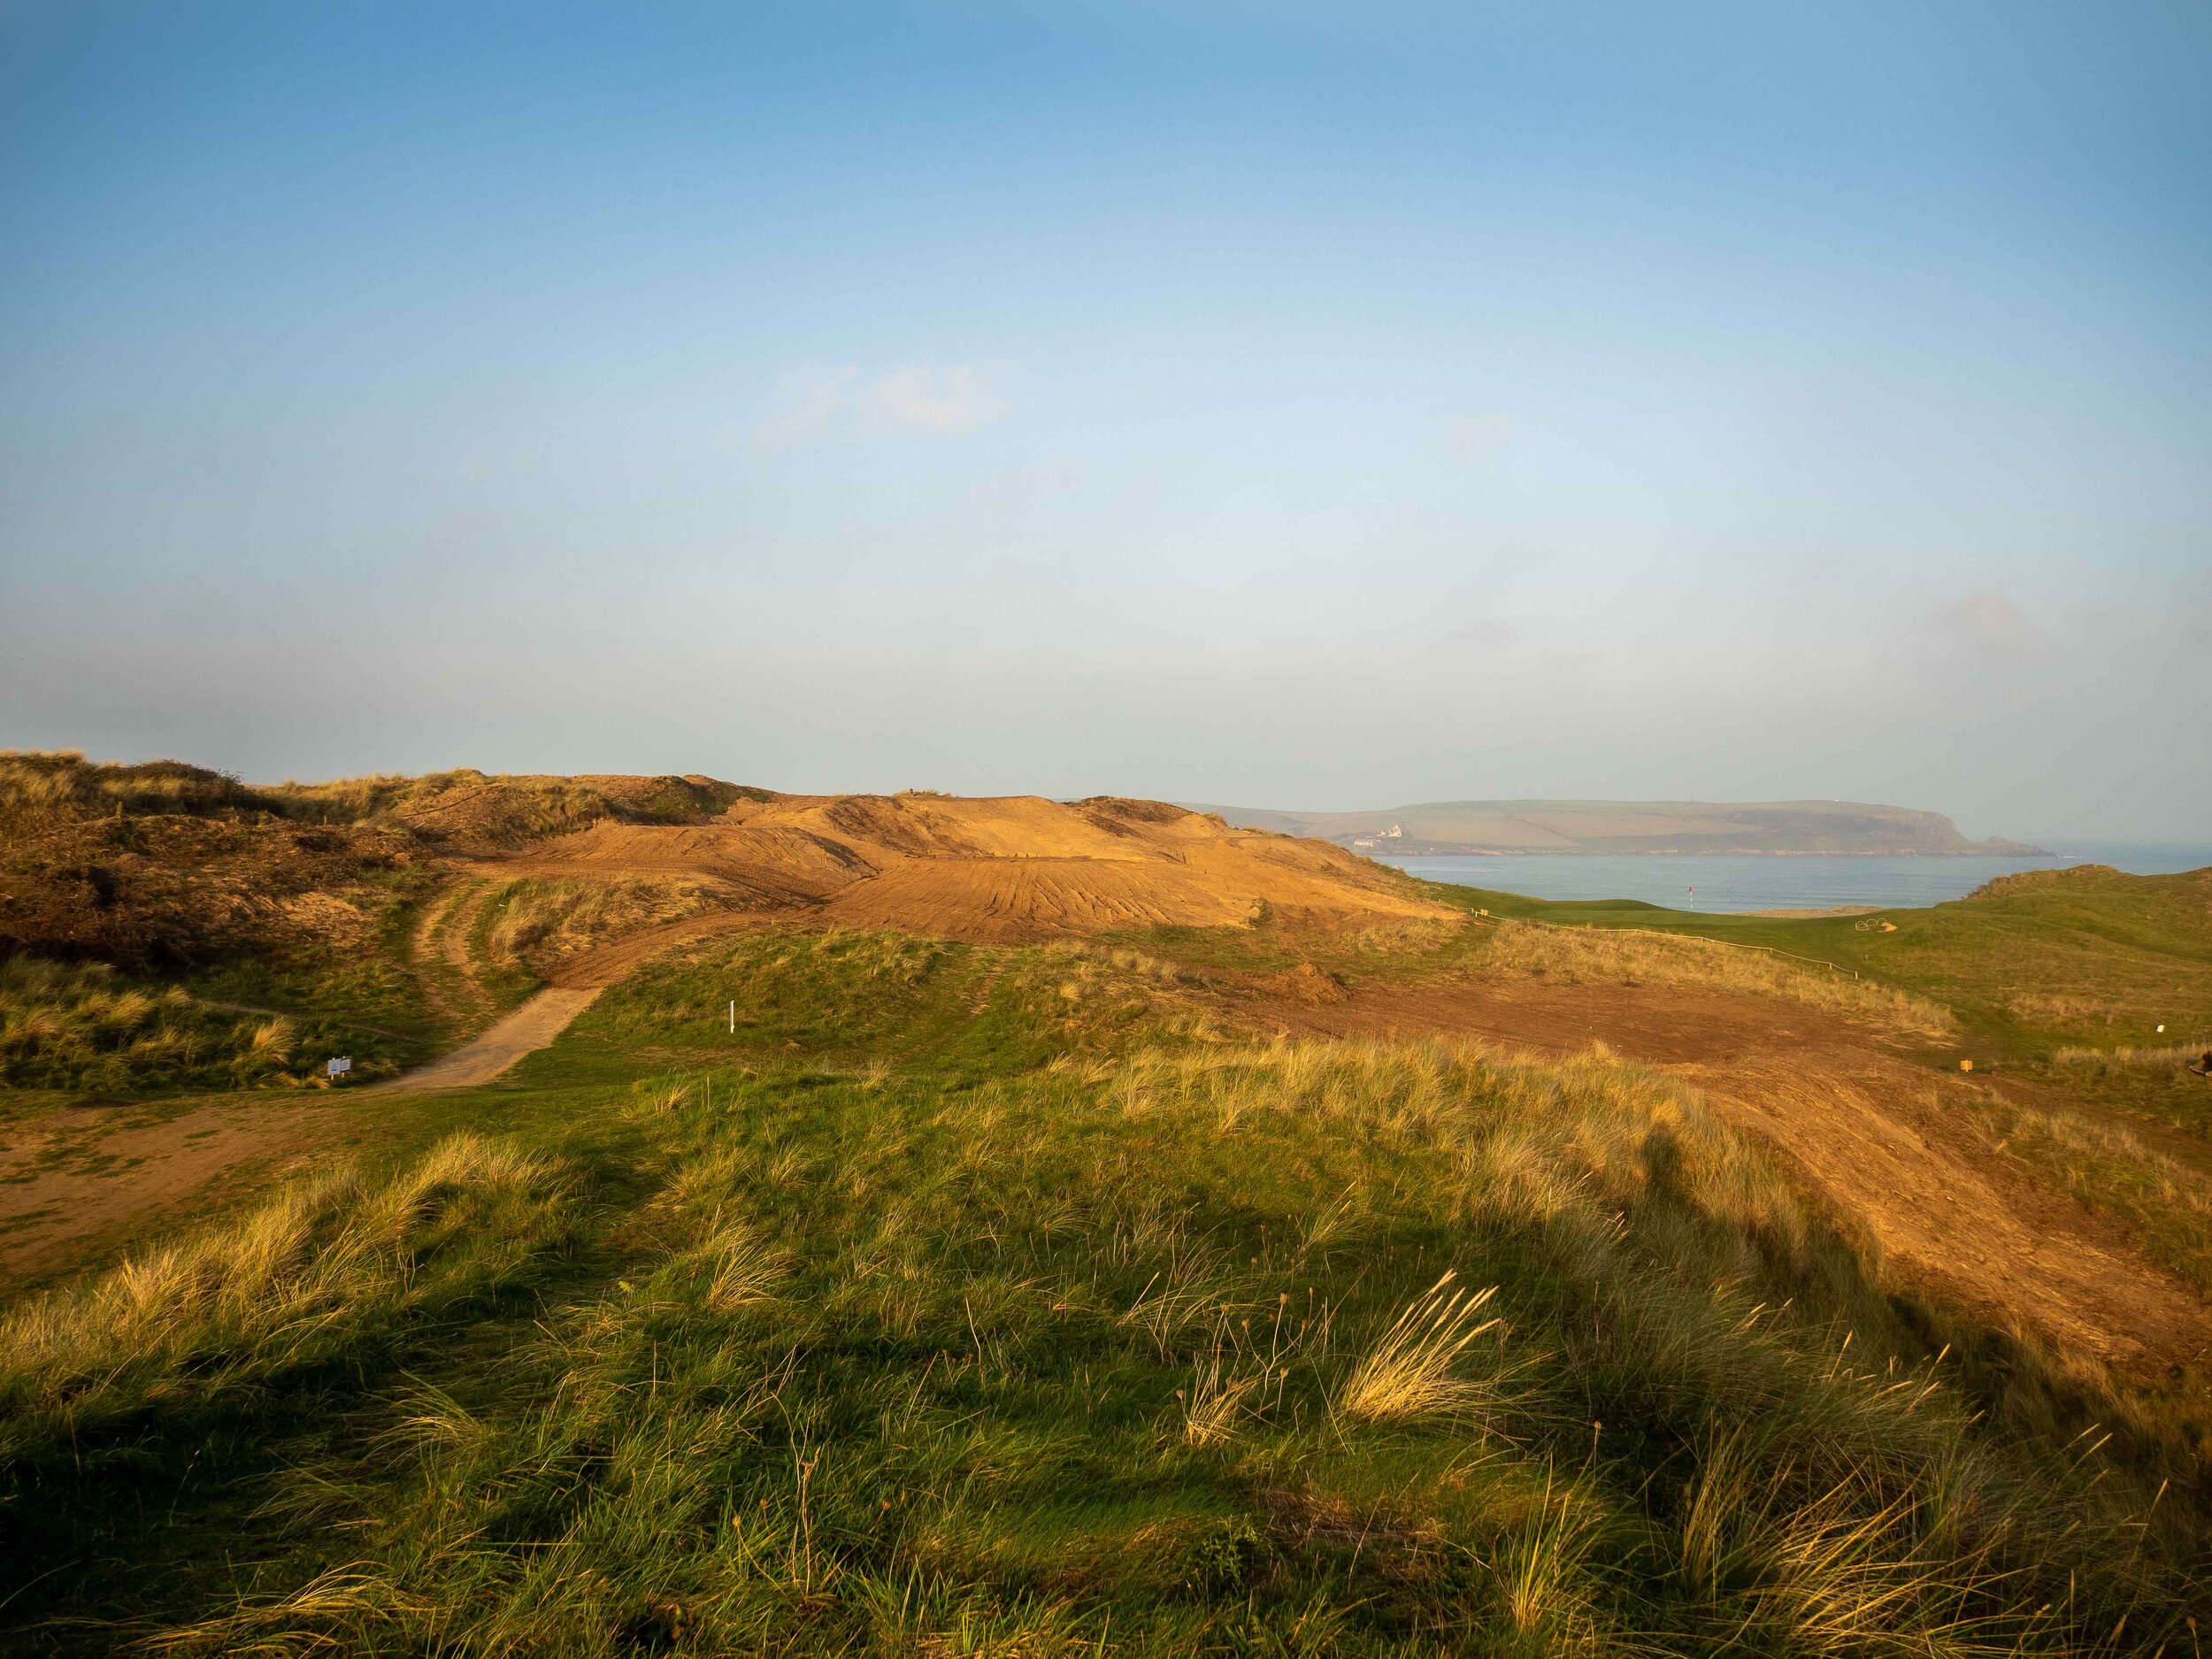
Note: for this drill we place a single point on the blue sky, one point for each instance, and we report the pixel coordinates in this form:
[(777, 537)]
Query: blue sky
[(1323, 407)]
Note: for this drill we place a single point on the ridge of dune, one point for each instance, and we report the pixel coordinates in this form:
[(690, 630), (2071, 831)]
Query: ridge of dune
[(990, 868)]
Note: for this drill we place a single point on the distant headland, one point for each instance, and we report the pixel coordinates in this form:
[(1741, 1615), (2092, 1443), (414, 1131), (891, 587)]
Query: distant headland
[(1778, 827)]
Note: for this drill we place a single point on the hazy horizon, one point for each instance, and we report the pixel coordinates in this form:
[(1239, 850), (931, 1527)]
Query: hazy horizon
[(1254, 404)]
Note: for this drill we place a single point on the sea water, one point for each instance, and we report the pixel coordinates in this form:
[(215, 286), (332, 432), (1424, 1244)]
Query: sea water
[(1722, 881)]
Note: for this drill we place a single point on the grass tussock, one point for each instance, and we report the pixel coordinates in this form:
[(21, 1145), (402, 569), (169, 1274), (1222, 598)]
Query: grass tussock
[(330, 1268), (532, 926), (1615, 957), (1410, 1371), (83, 1026)]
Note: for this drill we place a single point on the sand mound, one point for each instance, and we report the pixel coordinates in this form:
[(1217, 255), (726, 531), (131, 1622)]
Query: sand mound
[(1000, 870), (1306, 984)]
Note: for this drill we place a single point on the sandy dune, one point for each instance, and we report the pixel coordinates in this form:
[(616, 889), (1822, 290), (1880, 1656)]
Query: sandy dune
[(1003, 869)]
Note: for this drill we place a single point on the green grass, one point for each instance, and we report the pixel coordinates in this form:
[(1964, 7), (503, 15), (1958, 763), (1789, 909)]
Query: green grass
[(367, 1001), (2086, 956), (855, 1000), (978, 1300)]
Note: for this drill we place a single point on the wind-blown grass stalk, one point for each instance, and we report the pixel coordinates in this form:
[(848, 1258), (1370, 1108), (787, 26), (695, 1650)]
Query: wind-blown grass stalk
[(1408, 1373)]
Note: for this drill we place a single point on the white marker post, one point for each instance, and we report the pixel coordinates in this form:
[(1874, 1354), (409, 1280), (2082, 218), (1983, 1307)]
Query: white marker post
[(733, 1017)]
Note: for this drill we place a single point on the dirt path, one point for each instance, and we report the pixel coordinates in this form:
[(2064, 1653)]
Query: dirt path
[(486, 1056), (80, 1184), (441, 951), (538, 1021), (1884, 1140)]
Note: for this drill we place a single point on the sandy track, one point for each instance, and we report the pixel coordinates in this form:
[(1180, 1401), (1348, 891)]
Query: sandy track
[(80, 1182), (446, 970), (486, 1056), (1867, 1129)]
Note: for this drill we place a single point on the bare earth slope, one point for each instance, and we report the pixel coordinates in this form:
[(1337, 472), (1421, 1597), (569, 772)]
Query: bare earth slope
[(1875, 1134), (994, 871)]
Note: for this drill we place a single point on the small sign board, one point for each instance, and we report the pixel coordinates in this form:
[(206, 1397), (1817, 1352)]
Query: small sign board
[(339, 1066)]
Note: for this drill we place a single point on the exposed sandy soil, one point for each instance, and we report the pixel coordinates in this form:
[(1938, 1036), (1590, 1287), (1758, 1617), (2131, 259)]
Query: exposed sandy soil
[(1864, 1125), (80, 1184), (486, 1056), (1000, 870), (1949, 1210)]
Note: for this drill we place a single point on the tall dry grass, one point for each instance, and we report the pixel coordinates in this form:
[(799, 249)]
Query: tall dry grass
[(505, 808), (43, 786), (535, 924), (2098, 1062), (1410, 1372), (1634, 957), (330, 1267), (80, 1026)]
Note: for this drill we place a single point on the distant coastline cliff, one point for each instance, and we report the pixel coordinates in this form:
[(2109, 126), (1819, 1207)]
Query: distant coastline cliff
[(1778, 827)]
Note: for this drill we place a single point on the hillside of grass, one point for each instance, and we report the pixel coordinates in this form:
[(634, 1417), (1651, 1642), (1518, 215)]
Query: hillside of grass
[(471, 811), (248, 932), (2031, 964), (970, 1299)]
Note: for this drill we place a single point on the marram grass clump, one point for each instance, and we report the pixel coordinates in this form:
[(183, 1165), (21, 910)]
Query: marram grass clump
[(1413, 1370), (331, 1267), (82, 1025)]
